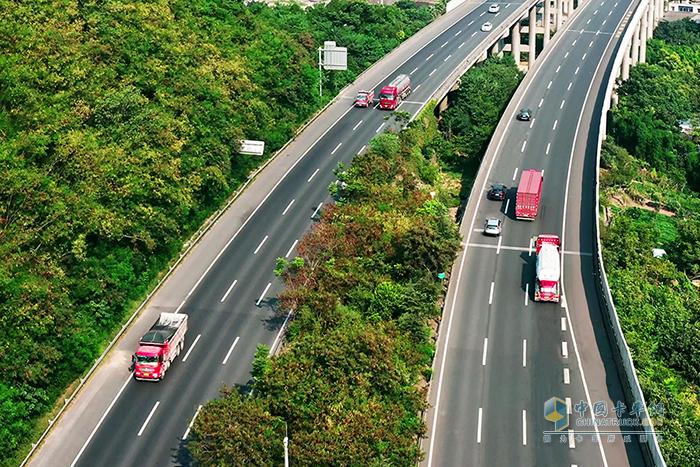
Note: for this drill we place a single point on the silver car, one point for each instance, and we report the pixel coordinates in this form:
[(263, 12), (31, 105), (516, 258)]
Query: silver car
[(492, 226), (486, 26)]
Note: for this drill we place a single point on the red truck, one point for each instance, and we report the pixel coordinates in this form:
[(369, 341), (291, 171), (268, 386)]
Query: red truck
[(392, 95), (159, 347), (364, 99), (527, 200), (547, 269)]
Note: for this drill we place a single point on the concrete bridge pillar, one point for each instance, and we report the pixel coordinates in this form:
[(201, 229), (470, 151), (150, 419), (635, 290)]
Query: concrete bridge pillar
[(626, 65), (546, 20), (635, 46), (660, 10), (650, 22), (558, 6), (495, 48), (515, 42), (643, 40), (532, 38)]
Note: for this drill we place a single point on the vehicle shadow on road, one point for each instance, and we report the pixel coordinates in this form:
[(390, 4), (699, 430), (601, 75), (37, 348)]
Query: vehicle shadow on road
[(528, 273)]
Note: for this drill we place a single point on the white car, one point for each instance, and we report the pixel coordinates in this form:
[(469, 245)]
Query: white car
[(486, 27), (494, 8), (492, 226)]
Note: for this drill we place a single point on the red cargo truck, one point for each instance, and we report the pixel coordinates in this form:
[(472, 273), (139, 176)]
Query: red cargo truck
[(159, 347), (527, 200), (392, 95), (364, 99), (547, 269)]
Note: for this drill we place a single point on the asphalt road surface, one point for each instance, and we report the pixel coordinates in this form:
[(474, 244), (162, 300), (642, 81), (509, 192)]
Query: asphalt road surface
[(501, 355), (230, 307)]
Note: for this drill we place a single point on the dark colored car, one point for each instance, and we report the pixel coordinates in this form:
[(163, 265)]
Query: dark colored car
[(498, 192), (524, 115)]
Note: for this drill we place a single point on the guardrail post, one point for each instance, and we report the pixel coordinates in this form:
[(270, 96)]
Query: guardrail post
[(532, 39)]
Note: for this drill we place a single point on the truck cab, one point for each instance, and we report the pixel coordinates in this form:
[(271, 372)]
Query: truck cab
[(148, 362)]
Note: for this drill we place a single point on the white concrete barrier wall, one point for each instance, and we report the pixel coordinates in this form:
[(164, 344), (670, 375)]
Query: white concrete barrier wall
[(653, 452), (452, 4)]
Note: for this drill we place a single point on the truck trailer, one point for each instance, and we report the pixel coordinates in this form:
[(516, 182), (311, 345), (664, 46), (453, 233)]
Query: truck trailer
[(547, 269), (392, 95), (159, 347), (527, 201)]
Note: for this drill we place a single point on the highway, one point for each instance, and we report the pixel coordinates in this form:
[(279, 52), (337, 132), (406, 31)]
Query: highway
[(120, 422), (501, 355)]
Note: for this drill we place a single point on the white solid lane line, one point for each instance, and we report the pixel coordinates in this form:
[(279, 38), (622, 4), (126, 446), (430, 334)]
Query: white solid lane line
[(486, 346), (524, 427), (565, 349), (380, 128), (291, 248), (340, 144), (355, 127), (312, 176), (178, 308), (431, 73), (563, 323), (498, 249), (567, 376), (515, 173), (148, 419), (228, 354), (491, 294), (362, 149), (548, 145), (189, 351), (229, 290), (189, 427), (478, 427), (522, 149), (527, 294), (102, 419), (263, 294), (414, 70), (318, 208), (287, 208), (524, 353)]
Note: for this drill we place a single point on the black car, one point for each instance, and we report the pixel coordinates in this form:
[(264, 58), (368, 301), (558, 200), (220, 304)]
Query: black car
[(524, 115), (498, 192)]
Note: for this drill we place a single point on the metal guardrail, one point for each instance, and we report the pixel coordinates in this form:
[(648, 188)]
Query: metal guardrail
[(631, 386)]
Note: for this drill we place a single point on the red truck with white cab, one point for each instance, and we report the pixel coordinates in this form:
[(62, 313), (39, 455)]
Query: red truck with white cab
[(547, 269), (392, 95), (159, 347), (527, 201), (364, 99)]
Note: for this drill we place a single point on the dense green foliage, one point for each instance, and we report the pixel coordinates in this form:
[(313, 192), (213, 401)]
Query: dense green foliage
[(349, 381), (119, 124), (647, 182), (363, 287), (476, 106)]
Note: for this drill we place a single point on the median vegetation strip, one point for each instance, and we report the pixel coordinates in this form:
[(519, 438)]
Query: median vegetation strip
[(118, 128), (650, 179), (349, 384)]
